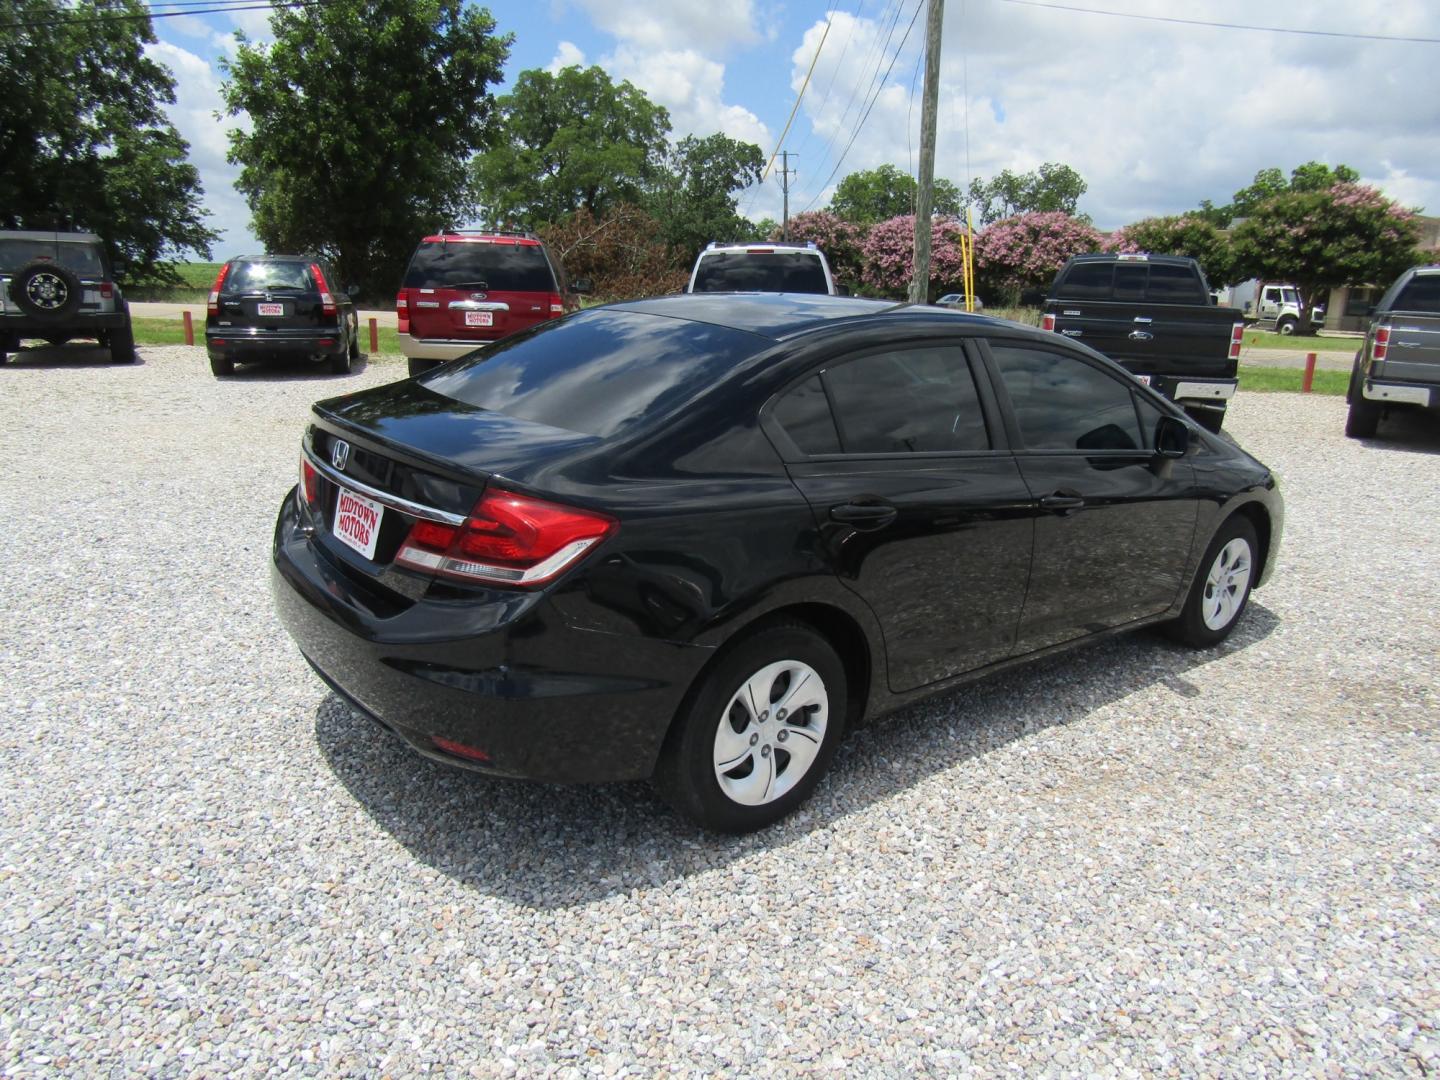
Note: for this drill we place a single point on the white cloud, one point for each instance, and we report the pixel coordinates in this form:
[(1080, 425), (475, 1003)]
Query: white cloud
[(567, 54), (1154, 116), (692, 87), (676, 24)]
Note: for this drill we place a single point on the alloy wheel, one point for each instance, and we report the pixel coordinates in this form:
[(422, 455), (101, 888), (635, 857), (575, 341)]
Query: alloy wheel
[(769, 735), (1226, 584)]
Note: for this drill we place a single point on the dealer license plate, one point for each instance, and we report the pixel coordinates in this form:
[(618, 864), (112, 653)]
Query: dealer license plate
[(479, 318), (272, 309), (1143, 380), (357, 522)]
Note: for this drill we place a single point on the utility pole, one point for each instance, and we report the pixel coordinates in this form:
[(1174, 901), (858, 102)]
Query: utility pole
[(925, 196), (785, 173)]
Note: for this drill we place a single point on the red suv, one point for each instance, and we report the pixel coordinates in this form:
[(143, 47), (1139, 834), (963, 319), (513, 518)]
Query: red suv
[(464, 290)]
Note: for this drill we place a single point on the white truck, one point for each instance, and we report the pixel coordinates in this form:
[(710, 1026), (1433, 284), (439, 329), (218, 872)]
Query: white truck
[(1270, 305)]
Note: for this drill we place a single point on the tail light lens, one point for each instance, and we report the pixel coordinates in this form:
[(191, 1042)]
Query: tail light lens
[(327, 302), (1237, 338), (1048, 322), (309, 484), (450, 746), (402, 312), (1382, 344), (107, 290), (557, 305), (508, 539), (212, 306)]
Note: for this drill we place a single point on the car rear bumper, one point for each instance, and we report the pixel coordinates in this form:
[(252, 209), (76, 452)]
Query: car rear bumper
[(500, 673), (1401, 393), (82, 324), (249, 341), (438, 348), (1212, 393)]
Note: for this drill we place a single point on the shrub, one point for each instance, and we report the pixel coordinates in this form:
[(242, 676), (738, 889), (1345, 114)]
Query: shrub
[(1024, 252)]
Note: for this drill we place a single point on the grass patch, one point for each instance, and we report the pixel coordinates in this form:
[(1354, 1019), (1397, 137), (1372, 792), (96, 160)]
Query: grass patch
[(172, 332), (1259, 339), (1287, 380), (194, 287)]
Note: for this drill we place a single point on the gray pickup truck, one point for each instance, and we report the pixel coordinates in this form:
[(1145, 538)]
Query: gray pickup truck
[(1399, 364)]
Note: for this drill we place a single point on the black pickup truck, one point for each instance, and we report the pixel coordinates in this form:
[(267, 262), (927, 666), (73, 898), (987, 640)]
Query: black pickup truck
[(1153, 315)]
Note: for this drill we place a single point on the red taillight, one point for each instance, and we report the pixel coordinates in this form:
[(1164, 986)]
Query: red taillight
[(557, 305), (759, 251), (508, 539), (212, 307), (309, 483), (460, 749), (107, 290), (1237, 338), (1382, 344), (1048, 322), (402, 312), (327, 302)]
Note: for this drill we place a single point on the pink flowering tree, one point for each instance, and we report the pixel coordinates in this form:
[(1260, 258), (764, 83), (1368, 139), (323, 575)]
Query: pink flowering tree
[(837, 238), (888, 256), (1185, 234), (1348, 234), (1024, 252)]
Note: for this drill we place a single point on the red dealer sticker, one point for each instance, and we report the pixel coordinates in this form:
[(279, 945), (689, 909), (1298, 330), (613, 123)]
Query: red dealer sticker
[(357, 522)]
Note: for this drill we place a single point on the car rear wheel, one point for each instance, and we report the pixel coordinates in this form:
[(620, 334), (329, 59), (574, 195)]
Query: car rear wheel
[(758, 733), (340, 361), (419, 366), (1363, 419), (122, 344), (1221, 588), (1211, 420), (222, 365)]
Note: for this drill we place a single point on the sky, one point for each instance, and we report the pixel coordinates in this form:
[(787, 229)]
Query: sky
[(1154, 115)]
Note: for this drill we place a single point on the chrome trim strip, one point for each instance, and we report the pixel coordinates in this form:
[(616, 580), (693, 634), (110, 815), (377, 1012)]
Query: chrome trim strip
[(478, 305), (1405, 395), (1223, 390), (384, 498)]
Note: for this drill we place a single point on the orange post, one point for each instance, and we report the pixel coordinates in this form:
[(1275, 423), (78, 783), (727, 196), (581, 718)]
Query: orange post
[(1309, 378), (189, 328), (374, 337)]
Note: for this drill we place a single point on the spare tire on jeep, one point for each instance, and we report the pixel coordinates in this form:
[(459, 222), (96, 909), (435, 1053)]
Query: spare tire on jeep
[(46, 290)]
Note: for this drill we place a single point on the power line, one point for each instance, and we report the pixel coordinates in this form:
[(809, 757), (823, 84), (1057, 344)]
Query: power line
[(800, 96), (90, 20), (873, 99), (1222, 25), (834, 73)]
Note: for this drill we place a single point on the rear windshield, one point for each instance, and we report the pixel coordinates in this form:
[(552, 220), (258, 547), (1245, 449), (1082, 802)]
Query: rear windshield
[(1132, 280), (598, 372), (498, 267), (1422, 294), (84, 259), (262, 274), (746, 271)]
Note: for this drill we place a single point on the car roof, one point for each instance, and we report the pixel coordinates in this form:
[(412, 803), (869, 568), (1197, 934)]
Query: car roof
[(765, 246), (51, 237), (785, 315), (1122, 256), (274, 258)]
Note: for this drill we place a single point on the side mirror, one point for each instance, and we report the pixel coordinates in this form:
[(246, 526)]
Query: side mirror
[(1172, 437), (582, 285), (842, 290), (352, 291)]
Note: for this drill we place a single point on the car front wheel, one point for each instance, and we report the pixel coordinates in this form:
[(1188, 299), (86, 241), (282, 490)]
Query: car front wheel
[(1221, 588), (755, 739)]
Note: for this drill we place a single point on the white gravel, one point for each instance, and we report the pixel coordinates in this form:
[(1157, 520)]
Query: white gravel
[(1133, 860)]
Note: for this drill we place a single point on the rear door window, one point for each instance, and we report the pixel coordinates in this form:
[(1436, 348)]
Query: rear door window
[(480, 265), (804, 413), (773, 271), (907, 401), (1422, 294), (82, 259), (1063, 403)]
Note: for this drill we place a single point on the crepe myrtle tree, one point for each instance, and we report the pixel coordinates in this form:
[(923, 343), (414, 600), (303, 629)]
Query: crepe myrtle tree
[(1348, 234), (839, 239), (1183, 234), (1024, 252), (888, 256)]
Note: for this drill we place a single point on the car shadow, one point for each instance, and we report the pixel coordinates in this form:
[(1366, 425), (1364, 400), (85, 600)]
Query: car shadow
[(72, 355), (1408, 430), (285, 369), (548, 846)]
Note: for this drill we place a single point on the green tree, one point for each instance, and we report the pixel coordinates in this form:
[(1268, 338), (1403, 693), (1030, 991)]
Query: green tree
[(570, 140), (879, 194), (1051, 187), (1270, 183), (346, 159), (1347, 235), (1186, 235), (84, 140), (694, 195)]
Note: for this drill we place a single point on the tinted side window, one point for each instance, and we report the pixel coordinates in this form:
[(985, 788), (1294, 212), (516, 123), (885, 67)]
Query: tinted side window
[(804, 413), (1087, 281), (1174, 285), (1422, 294), (1149, 416), (259, 274), (1062, 403), (910, 401), (1130, 280)]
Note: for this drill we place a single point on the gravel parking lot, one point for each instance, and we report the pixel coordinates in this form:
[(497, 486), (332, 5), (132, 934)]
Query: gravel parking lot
[(1130, 860)]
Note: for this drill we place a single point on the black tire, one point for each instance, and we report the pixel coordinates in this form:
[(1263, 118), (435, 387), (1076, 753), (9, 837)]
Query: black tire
[(122, 344), (1363, 419), (1192, 627), (355, 344), (1212, 420), (340, 361), (1286, 326), (221, 365), (688, 775), (419, 367), (46, 291)]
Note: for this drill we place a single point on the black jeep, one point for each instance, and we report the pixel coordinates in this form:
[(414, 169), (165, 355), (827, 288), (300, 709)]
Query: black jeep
[(57, 286)]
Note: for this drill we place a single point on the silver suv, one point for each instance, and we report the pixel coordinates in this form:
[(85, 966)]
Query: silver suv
[(763, 267), (57, 286), (1399, 364)]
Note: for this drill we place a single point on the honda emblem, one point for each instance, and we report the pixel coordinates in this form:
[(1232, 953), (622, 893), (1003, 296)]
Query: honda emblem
[(340, 454)]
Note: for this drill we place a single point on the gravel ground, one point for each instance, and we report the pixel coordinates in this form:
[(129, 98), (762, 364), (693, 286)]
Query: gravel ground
[(1130, 860)]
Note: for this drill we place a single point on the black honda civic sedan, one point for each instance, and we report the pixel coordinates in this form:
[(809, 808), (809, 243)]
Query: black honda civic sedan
[(698, 538)]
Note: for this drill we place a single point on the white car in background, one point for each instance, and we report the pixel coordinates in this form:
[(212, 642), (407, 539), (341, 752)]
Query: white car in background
[(763, 267)]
